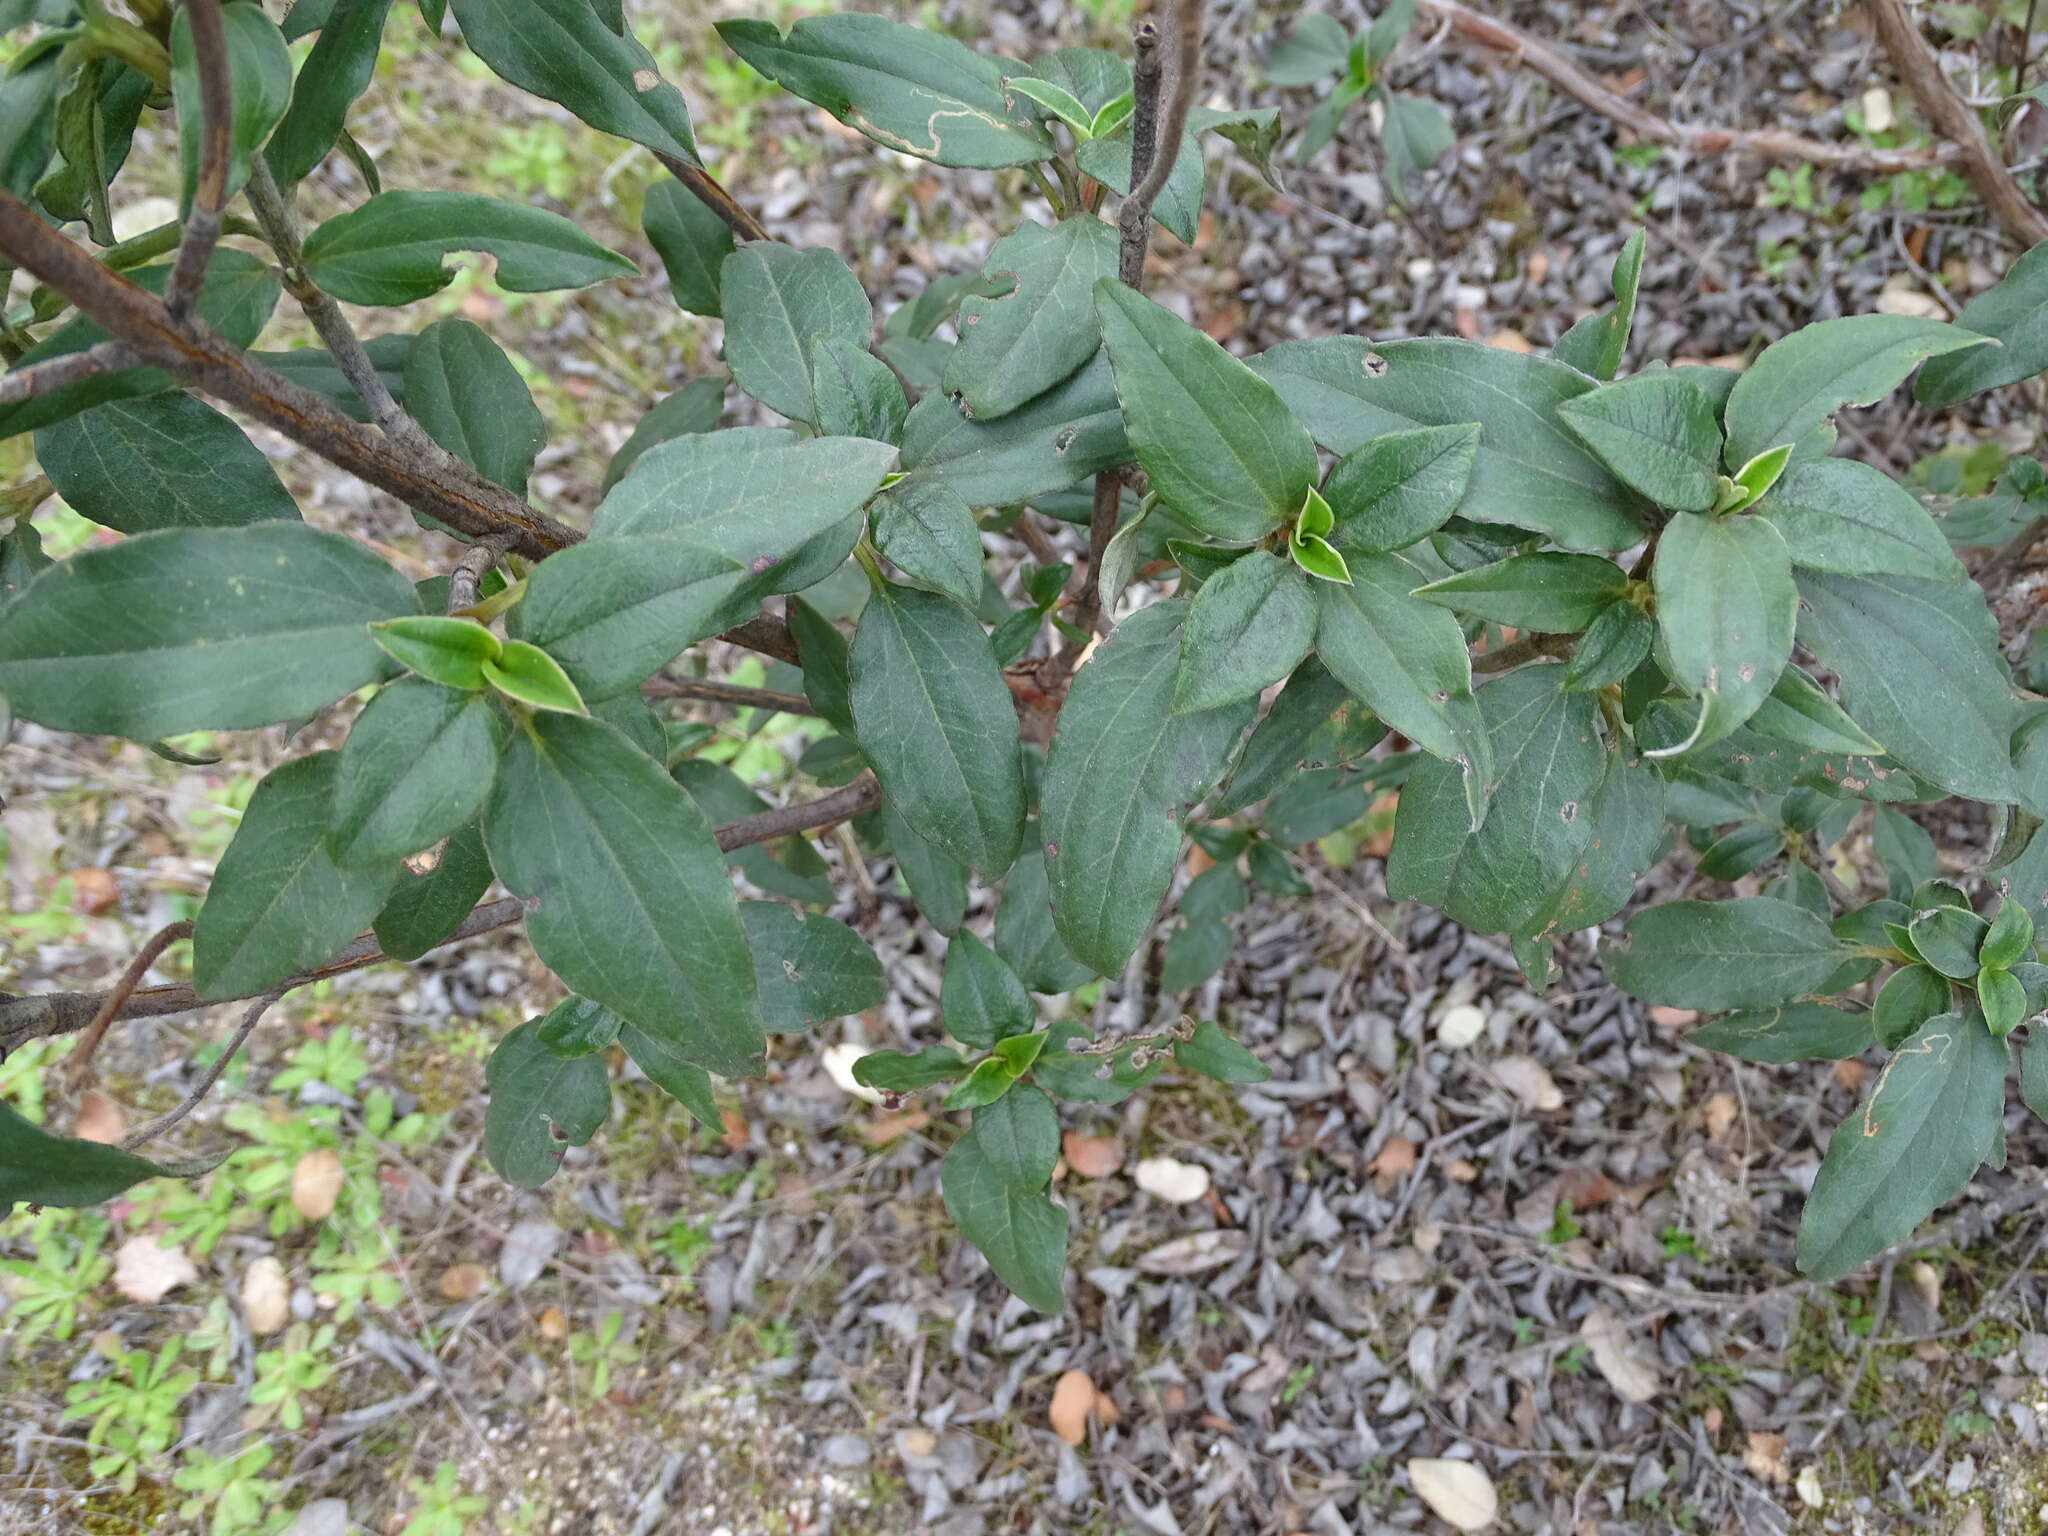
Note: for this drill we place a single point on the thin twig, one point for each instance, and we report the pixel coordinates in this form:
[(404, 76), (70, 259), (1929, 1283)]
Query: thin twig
[(713, 196), (210, 189), (40, 1016), (2011, 553), (727, 693), (1164, 88), (79, 1069), (55, 373), (235, 1042), (2019, 75), (471, 569)]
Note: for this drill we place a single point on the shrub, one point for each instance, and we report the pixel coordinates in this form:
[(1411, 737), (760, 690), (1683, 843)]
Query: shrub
[(1685, 610)]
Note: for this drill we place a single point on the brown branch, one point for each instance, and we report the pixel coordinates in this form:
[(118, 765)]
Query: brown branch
[(1956, 120), (23, 1019), (726, 693), (1163, 89), (55, 373), (771, 637), (78, 1067), (164, 1122), (1766, 143), (476, 562), (713, 196), (216, 126)]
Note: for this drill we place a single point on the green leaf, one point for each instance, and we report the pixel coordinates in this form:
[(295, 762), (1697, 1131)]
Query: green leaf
[(1658, 432), (1315, 46), (690, 535), (788, 867), (685, 1082), (1756, 477), (980, 997), (531, 676), (471, 400), (1625, 826), (540, 1105), (1737, 853), (1556, 594), (927, 532), (37, 1168), (278, 904), (1015, 347), (1919, 669), (162, 461), (1932, 1118), (196, 629), (933, 715), (578, 1027), (1791, 1032), (315, 368), (827, 667), (2033, 1073), (632, 907), (937, 881), (2010, 940), (28, 91), (894, 1072), (236, 299), (994, 1180), (1195, 950), (1911, 996), (1248, 627), (1056, 99), (2014, 313), (1221, 449), (1067, 434), (1597, 344), (1096, 78), (1122, 776), (448, 651), (811, 970), (1529, 472), (856, 394), (1841, 516), (1413, 137), (1405, 659), (259, 83), (1948, 938), (1725, 610), (389, 249), (989, 1081), (1024, 932), (1081, 1079), (1613, 646), (778, 301), (1751, 952), (335, 73), (417, 767), (2002, 999), (1214, 1054), (1547, 762), (1319, 558), (1798, 383), (562, 50), (692, 242), (1313, 724), (1799, 712), (694, 408), (905, 88), (1400, 487), (424, 910), (1107, 159)]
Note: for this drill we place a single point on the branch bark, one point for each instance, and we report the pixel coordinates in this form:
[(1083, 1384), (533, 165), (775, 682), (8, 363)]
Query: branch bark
[(1767, 143), (707, 190), (715, 692), (216, 124), (35, 1017), (1956, 120), (55, 373)]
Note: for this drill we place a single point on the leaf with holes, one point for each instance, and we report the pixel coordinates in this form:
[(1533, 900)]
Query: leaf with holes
[(389, 249), (541, 1104)]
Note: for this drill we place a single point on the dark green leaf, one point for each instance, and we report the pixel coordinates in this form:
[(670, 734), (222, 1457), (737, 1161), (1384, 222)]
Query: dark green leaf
[(1658, 433), (1015, 347), (685, 1082), (471, 400), (1400, 486), (994, 1180), (856, 394), (162, 461), (316, 369), (2010, 940), (786, 867), (927, 532), (417, 767), (1904, 848), (2014, 312), (2034, 1073), (1179, 205), (27, 124), (1613, 646), (198, 629), (1122, 776), (389, 249), (564, 51), (778, 301), (1841, 516), (1220, 448), (1413, 136), (980, 998), (1624, 836), (810, 970), (1725, 611), (1792, 1032), (1248, 628), (1529, 471), (1080, 1079), (1745, 849), (894, 1072), (335, 73), (934, 717), (1556, 594), (1065, 435), (39, 1168), (1948, 938), (1752, 952), (1195, 951), (578, 1027), (1911, 996), (1597, 344), (540, 1106), (423, 910), (278, 904), (695, 407), (1932, 1118), (1214, 1054), (827, 668), (259, 82), (1799, 712), (1024, 933), (937, 881), (905, 88), (1313, 724), (632, 905), (692, 242)]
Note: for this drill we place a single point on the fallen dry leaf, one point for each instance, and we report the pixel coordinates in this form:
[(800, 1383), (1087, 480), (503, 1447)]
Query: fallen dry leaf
[(94, 891), (1763, 1455), (1587, 1188), (1606, 1337), (99, 1119), (1092, 1157), (1193, 1254), (1719, 1113), (144, 1271), (1850, 1074), (316, 1183), (266, 1297), (1674, 1018), (1808, 1485), (1171, 1180), (838, 1061), (461, 1282), (552, 1324), (886, 1128), (1926, 1282), (1511, 341), (1460, 1026), (1394, 1161), (1530, 1083), (1458, 1493), (1073, 1398), (736, 1134)]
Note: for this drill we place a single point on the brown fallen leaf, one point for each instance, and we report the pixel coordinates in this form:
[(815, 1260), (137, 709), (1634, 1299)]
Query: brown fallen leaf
[(1674, 1018), (94, 891), (1850, 1074), (1511, 341), (1719, 1114), (1394, 1162), (144, 1270), (266, 1296), (1587, 1188), (886, 1128), (316, 1183), (1073, 1399), (99, 1119), (461, 1282), (551, 1323), (1092, 1157), (1764, 1456), (1529, 1081), (1606, 1336)]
